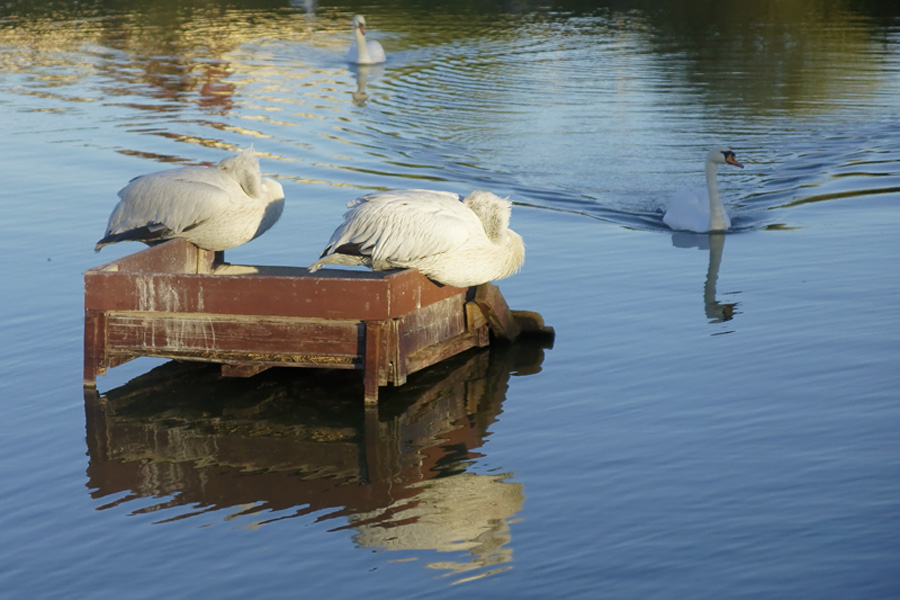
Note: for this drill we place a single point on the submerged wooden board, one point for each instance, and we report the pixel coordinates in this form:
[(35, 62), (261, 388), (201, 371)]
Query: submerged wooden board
[(174, 301)]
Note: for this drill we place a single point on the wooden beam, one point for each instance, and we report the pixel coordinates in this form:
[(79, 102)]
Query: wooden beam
[(94, 346), (496, 311)]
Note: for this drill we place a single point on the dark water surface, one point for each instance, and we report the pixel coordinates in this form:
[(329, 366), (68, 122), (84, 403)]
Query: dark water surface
[(718, 417)]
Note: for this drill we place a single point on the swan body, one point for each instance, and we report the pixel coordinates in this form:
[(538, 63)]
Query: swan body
[(215, 208), (701, 210), (362, 52), (453, 242)]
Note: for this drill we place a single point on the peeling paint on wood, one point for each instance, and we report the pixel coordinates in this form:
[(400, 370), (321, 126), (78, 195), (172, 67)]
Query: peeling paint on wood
[(175, 301)]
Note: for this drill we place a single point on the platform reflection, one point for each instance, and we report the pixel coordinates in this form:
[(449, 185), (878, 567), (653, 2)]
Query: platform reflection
[(182, 441)]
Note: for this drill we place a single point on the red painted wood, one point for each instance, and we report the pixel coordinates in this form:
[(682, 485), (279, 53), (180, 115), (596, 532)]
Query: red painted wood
[(302, 295), (211, 336), (94, 346), (176, 301)]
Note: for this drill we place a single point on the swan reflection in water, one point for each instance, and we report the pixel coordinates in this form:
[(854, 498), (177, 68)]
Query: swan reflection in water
[(716, 312), (290, 443), (363, 73)]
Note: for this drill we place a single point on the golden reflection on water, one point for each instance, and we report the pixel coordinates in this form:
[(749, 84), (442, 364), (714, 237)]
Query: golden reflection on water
[(292, 443), (749, 58), (204, 75)]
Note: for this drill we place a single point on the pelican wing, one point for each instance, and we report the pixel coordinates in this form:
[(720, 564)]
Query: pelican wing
[(165, 204), (399, 227)]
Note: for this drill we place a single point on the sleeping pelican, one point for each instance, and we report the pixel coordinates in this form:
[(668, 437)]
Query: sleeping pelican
[(362, 52), (215, 208), (454, 243), (702, 210)]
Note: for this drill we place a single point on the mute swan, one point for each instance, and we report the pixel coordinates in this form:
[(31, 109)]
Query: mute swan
[(215, 208), (454, 243), (362, 52), (702, 210)]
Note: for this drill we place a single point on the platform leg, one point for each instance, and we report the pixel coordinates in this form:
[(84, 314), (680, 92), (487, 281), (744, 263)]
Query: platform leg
[(94, 346), (372, 361)]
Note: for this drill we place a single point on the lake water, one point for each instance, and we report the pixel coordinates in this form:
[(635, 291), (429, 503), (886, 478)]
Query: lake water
[(719, 416)]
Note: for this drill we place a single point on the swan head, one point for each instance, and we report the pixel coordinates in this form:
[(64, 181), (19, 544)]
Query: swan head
[(359, 24), (721, 156)]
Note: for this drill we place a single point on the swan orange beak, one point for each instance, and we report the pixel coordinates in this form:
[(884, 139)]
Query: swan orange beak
[(362, 29), (731, 160)]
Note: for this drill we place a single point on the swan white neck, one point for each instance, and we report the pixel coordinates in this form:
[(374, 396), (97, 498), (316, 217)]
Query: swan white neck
[(717, 217), (361, 47)]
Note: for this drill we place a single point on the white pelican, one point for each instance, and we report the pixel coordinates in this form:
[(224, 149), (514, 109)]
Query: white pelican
[(702, 210), (453, 242), (215, 208), (362, 52)]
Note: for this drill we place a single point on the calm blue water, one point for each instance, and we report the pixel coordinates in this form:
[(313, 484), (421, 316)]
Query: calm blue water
[(718, 417)]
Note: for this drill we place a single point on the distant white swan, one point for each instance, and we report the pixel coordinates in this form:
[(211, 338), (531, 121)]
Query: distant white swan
[(453, 242), (362, 52), (215, 208), (702, 210)]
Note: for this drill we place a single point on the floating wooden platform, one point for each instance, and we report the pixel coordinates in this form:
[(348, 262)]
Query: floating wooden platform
[(176, 301)]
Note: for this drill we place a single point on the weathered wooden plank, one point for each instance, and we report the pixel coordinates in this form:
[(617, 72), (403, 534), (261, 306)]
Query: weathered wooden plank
[(495, 309), (433, 323), (241, 295), (441, 330), (426, 327), (410, 291), (440, 351), (174, 256), (300, 296), (183, 334)]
